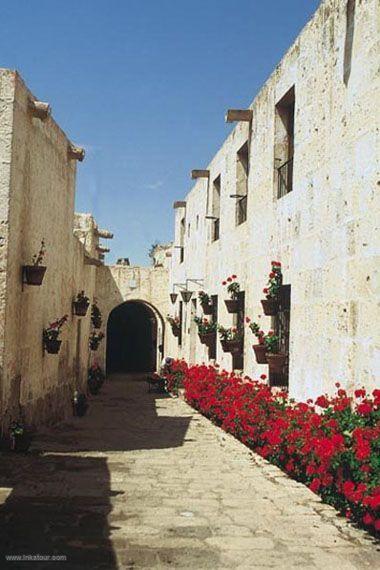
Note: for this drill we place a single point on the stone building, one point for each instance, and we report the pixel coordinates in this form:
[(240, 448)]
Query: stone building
[(37, 190), (297, 181)]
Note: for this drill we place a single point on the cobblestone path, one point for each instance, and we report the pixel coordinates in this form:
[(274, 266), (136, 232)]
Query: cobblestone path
[(145, 482)]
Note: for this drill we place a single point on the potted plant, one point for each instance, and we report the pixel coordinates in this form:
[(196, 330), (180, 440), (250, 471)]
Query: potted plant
[(19, 437), (80, 404), (206, 330), (95, 379), (95, 339), (50, 335), (270, 304), (276, 360), (233, 289), (34, 273), (175, 324), (81, 304), (231, 339), (96, 316), (206, 302), (260, 348)]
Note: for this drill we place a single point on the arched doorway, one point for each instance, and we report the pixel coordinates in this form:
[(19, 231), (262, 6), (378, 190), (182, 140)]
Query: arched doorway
[(132, 338)]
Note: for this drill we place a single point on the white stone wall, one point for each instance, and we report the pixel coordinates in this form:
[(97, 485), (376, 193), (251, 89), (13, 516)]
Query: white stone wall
[(37, 201), (325, 232)]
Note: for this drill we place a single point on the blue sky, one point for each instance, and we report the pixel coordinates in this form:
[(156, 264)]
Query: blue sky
[(144, 86)]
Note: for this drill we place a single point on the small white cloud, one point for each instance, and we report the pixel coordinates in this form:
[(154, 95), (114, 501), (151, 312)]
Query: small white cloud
[(154, 185)]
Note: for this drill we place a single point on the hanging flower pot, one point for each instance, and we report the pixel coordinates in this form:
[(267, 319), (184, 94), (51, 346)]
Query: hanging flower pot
[(80, 404), (232, 346), (260, 353), (175, 325), (96, 316), (207, 338), (95, 379), (276, 362), (50, 335), (206, 308), (270, 306), (52, 346), (232, 305), (233, 288), (206, 302), (34, 274), (95, 339), (272, 290), (81, 304), (20, 438)]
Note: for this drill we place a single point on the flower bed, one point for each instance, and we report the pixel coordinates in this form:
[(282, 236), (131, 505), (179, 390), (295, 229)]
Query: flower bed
[(332, 444)]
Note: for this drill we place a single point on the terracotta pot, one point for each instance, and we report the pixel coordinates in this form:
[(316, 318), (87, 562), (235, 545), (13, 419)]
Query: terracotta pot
[(207, 338), (175, 331), (276, 362), (52, 346), (270, 307), (20, 442), (80, 308), (94, 344), (80, 405), (233, 346), (206, 308), (34, 274), (232, 305), (260, 353)]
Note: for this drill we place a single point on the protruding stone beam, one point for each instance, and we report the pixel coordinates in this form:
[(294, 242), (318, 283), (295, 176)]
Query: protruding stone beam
[(200, 174), (179, 204), (39, 109), (104, 233), (91, 261), (75, 152), (102, 249), (234, 115)]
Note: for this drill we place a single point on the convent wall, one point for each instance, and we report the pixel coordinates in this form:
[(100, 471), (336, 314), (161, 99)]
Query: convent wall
[(325, 231)]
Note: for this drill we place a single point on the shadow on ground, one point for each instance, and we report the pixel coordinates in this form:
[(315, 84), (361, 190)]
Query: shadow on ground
[(59, 497)]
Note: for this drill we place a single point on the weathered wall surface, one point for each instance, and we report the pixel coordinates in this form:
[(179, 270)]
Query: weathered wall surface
[(38, 202), (117, 284), (325, 232)]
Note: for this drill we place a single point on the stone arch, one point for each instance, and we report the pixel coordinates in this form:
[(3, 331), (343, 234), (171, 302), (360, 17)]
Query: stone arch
[(135, 337)]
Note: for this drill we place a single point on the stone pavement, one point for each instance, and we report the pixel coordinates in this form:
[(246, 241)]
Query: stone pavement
[(143, 481)]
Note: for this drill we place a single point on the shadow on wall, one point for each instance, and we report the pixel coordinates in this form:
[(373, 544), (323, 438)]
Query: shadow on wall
[(60, 504)]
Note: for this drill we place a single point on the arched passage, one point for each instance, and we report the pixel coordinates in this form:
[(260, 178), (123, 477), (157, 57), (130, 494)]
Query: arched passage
[(133, 338)]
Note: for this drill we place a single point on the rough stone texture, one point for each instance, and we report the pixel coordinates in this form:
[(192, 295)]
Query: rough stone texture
[(37, 185), (325, 232), (143, 481)]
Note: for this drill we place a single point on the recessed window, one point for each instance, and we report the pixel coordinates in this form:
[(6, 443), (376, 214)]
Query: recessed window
[(242, 167), (182, 240), (284, 143), (216, 189)]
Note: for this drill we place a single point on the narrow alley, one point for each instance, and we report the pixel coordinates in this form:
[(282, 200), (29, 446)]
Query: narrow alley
[(144, 481)]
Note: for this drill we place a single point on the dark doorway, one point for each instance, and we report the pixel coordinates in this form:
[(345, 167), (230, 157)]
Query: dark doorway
[(132, 338)]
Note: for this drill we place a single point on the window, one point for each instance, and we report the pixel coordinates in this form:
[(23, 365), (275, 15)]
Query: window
[(216, 188), (284, 143), (242, 167), (182, 241), (281, 327)]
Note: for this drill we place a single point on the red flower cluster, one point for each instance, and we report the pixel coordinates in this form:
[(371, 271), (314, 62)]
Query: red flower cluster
[(332, 445)]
